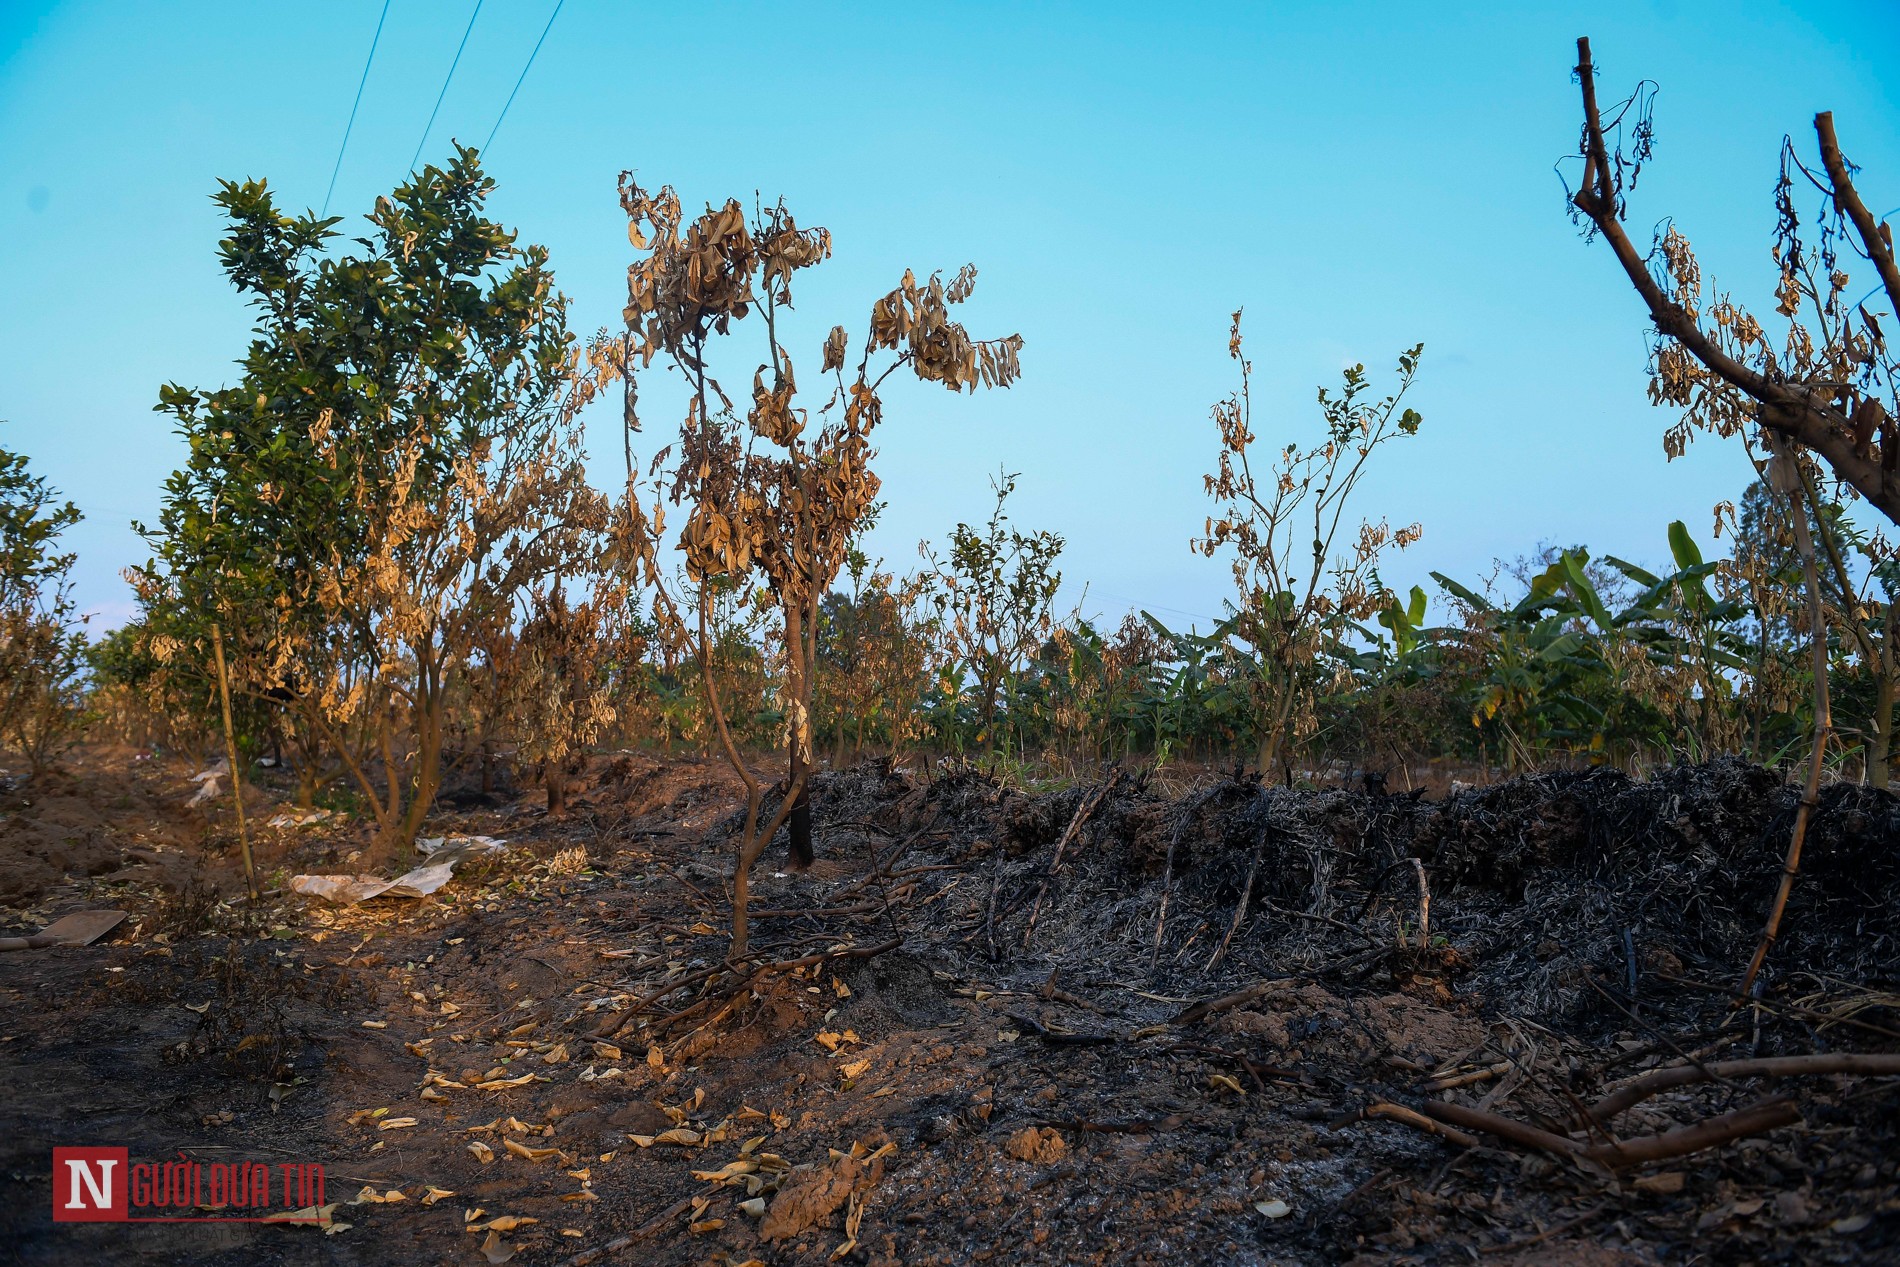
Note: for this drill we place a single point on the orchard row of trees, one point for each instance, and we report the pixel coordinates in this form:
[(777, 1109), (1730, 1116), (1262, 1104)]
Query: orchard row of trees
[(383, 548)]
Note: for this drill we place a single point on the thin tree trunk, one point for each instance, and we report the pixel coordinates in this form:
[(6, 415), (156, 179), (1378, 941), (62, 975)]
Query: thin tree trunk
[(363, 782), (309, 756), (389, 809), (428, 768), (1273, 739), (231, 756), (798, 764), (1823, 721), (1880, 743), (1875, 655), (426, 723), (800, 819), (752, 840)]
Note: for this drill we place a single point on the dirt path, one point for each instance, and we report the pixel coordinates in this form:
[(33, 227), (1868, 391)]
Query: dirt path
[(502, 1055)]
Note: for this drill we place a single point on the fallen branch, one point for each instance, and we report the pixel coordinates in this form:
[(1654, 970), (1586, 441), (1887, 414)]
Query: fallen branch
[(888, 861), (1051, 993), (1556, 1229), (1317, 918), (615, 1024), (1208, 1007), (863, 908), (1451, 1080), (1259, 1073), (1688, 1057), (1411, 1117), (1631, 1094), (1784, 1009), (824, 956), (1520, 1133), (1757, 1119), (1377, 1177)]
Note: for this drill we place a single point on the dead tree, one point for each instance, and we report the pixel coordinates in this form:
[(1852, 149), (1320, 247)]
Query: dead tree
[(1832, 395)]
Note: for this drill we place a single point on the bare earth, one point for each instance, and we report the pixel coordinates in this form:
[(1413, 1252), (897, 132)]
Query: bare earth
[(983, 1055)]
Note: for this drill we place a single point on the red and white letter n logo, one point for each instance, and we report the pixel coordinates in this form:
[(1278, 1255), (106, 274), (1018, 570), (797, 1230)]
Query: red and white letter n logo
[(89, 1185)]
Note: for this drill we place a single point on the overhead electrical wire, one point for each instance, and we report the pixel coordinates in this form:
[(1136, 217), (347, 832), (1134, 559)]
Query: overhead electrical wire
[(445, 86), (524, 74), (351, 125)]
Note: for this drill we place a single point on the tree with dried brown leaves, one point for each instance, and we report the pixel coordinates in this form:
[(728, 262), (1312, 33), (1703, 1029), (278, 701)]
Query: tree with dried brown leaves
[(1827, 382), (1286, 521), (773, 491)]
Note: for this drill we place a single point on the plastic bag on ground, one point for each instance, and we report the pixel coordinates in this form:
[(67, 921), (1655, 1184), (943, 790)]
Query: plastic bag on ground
[(443, 855)]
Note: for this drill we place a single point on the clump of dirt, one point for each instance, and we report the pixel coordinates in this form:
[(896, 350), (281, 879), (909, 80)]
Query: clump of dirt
[(1040, 1145)]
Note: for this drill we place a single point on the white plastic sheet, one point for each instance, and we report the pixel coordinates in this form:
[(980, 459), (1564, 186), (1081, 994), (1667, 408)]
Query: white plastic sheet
[(207, 781), (298, 818), (443, 855)]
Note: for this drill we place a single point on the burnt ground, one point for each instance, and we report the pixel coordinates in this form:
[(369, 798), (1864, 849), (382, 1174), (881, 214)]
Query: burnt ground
[(1003, 1059)]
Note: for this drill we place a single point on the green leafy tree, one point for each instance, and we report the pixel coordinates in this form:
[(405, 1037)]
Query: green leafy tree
[(995, 593), (397, 464), (42, 650)]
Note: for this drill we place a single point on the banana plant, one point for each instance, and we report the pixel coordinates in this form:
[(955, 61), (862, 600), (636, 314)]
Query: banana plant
[(1547, 669), (1408, 651), (1200, 693)]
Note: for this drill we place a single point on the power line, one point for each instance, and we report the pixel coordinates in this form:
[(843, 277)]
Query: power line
[(524, 74), (445, 85), (350, 126)]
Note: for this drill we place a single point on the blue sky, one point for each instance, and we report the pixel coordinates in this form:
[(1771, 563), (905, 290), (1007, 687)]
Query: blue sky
[(1359, 177)]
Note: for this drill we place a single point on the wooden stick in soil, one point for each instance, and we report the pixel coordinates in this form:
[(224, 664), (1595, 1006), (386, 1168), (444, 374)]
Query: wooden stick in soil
[(231, 758), (1246, 898), (1786, 477), (1424, 906), (1082, 812)]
